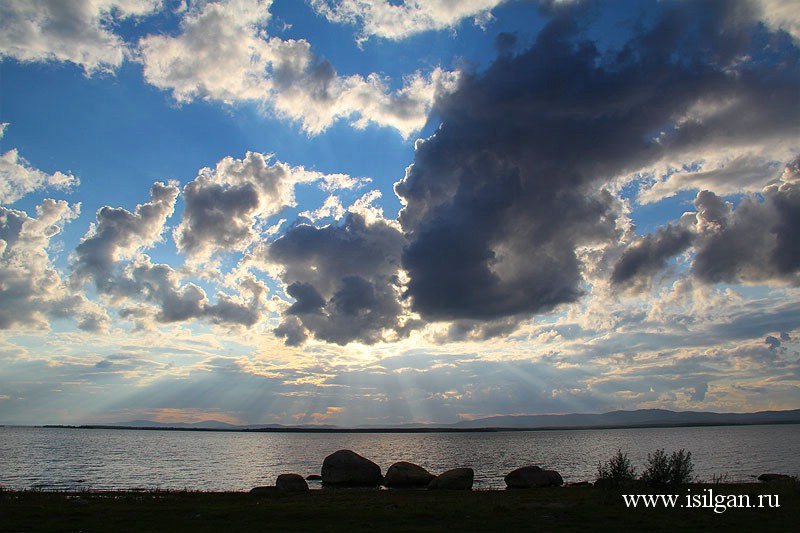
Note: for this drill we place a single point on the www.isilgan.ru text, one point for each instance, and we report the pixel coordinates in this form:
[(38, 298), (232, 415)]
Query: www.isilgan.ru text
[(705, 500)]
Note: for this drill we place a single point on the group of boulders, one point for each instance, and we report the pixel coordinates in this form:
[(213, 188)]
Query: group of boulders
[(346, 468)]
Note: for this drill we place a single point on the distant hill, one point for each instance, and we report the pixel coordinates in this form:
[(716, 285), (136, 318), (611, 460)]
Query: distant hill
[(639, 418), (205, 424)]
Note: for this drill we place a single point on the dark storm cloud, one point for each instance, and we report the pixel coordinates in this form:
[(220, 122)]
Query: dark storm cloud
[(649, 255), (758, 242), (343, 279), (499, 200), (754, 243), (505, 43), (292, 331)]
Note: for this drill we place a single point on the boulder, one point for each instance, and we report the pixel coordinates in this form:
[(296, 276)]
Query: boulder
[(314, 477), (533, 476), (407, 475), (774, 477), (261, 491), (291, 483), (455, 479), (347, 468)]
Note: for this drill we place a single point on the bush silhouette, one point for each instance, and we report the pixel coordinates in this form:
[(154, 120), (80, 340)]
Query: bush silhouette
[(672, 471), (617, 471)]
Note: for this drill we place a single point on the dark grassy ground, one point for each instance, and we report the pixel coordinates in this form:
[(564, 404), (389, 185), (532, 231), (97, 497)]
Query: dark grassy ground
[(562, 509)]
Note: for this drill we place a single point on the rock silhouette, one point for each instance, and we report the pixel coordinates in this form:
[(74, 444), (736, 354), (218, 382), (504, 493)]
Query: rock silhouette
[(533, 476), (291, 483), (407, 475), (455, 479), (348, 469)]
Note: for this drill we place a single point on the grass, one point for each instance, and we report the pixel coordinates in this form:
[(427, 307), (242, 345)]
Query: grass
[(562, 509)]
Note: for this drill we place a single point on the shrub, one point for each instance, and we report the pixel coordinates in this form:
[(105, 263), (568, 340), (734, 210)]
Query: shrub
[(663, 471), (681, 466), (616, 471), (657, 471)]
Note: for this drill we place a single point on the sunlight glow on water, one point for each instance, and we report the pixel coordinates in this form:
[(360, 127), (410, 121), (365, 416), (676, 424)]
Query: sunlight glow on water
[(71, 459)]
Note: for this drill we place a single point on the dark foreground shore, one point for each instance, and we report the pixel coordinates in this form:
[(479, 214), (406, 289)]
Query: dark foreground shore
[(552, 509)]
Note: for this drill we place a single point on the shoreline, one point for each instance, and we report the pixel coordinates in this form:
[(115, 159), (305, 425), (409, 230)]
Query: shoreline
[(570, 508)]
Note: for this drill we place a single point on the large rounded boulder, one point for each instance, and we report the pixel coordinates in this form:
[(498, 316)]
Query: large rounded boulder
[(529, 477), (348, 469), (291, 483), (455, 479), (407, 475)]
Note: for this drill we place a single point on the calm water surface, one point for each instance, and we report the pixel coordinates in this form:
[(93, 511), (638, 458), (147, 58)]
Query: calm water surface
[(61, 459)]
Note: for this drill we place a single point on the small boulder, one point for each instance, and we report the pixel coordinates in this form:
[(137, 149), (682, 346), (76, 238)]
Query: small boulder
[(314, 477), (455, 479), (291, 483), (407, 475), (263, 491), (347, 468), (774, 477), (533, 476)]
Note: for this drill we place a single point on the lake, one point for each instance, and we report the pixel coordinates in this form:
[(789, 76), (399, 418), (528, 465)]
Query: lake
[(104, 459)]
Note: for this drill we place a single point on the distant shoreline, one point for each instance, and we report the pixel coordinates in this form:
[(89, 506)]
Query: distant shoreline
[(418, 430)]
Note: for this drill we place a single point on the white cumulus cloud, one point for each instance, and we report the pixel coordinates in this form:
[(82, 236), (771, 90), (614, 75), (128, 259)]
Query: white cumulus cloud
[(224, 53), (18, 178), (31, 288), (381, 18), (77, 31)]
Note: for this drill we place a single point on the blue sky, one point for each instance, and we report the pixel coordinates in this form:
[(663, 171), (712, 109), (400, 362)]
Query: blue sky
[(369, 212)]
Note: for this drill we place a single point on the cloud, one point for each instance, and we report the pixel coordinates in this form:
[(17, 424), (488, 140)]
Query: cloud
[(227, 206), (224, 53), (18, 178), (738, 131), (111, 256), (756, 243), (742, 173), (175, 301), (32, 290), (120, 235), (344, 281), (781, 15), (223, 204), (78, 31), (501, 200), (649, 255), (752, 243), (308, 90), (394, 21), (219, 54), (331, 208)]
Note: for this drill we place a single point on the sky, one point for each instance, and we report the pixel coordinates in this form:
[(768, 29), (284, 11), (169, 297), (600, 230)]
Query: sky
[(371, 212)]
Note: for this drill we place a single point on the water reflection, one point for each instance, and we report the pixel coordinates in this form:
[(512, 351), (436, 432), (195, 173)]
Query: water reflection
[(51, 458)]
